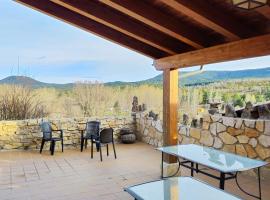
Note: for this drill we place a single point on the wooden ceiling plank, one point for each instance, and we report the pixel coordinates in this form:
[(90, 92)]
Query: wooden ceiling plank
[(247, 48), (74, 19), (208, 21), (152, 23), (109, 24), (265, 11)]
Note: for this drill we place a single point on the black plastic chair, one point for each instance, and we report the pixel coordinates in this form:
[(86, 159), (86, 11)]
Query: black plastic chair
[(105, 138), (47, 131), (91, 132)]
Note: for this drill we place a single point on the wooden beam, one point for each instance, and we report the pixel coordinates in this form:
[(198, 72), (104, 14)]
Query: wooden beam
[(265, 11), (158, 21), (207, 16), (82, 22), (84, 8), (247, 48), (170, 109)]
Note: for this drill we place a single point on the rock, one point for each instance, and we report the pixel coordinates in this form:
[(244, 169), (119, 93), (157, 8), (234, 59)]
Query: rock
[(234, 131), (145, 132), (230, 111), (262, 152), (221, 128), (240, 150), (206, 138), (229, 148), (229, 121), (251, 132), (184, 130), (264, 140), (187, 140), (195, 133), (205, 125), (213, 128), (246, 113), (206, 118), (227, 138), (238, 123), (243, 139), (249, 123), (267, 127), (250, 151), (260, 125), (217, 143), (216, 118), (253, 142), (159, 126)]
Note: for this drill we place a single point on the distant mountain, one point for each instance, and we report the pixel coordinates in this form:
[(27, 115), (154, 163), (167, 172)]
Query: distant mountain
[(204, 77), (27, 81)]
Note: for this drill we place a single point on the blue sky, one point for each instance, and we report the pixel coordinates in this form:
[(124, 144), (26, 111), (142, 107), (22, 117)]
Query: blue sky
[(52, 51)]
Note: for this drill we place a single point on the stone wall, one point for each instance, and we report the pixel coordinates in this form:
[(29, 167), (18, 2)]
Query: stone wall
[(148, 130), (245, 137), (26, 134)]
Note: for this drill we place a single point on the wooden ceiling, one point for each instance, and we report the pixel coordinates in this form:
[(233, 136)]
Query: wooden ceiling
[(160, 28)]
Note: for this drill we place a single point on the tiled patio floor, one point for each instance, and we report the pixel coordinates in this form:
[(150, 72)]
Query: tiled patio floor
[(73, 175)]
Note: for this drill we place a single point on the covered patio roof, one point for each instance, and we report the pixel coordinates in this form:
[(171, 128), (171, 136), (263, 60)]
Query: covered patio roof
[(160, 28), (175, 33)]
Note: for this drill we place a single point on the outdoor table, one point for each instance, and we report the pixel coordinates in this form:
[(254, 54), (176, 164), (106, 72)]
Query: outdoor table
[(227, 164), (178, 188)]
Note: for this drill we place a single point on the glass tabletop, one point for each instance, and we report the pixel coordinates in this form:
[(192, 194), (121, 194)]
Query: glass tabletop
[(215, 159), (178, 188)]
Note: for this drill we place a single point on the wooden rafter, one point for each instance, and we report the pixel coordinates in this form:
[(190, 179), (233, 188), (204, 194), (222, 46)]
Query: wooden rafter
[(181, 34), (214, 20), (247, 48), (92, 26), (265, 11), (81, 8)]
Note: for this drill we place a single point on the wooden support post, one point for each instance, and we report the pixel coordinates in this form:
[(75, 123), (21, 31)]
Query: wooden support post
[(170, 110)]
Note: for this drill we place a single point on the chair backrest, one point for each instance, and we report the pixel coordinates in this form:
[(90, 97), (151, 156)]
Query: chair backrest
[(106, 135), (46, 129), (92, 129)]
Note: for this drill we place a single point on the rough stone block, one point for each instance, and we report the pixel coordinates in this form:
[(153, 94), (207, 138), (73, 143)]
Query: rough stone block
[(243, 139), (240, 150), (250, 151), (249, 123), (206, 118), (264, 140), (221, 128), (195, 133), (253, 142), (263, 153), (234, 131), (206, 138), (267, 127), (229, 121), (217, 143), (260, 125), (213, 128), (250, 132), (216, 118), (238, 123), (229, 148), (227, 138), (187, 140)]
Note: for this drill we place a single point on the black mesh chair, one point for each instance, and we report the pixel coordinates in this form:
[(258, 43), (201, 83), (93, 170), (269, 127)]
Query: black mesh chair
[(106, 137), (47, 131), (91, 132)]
